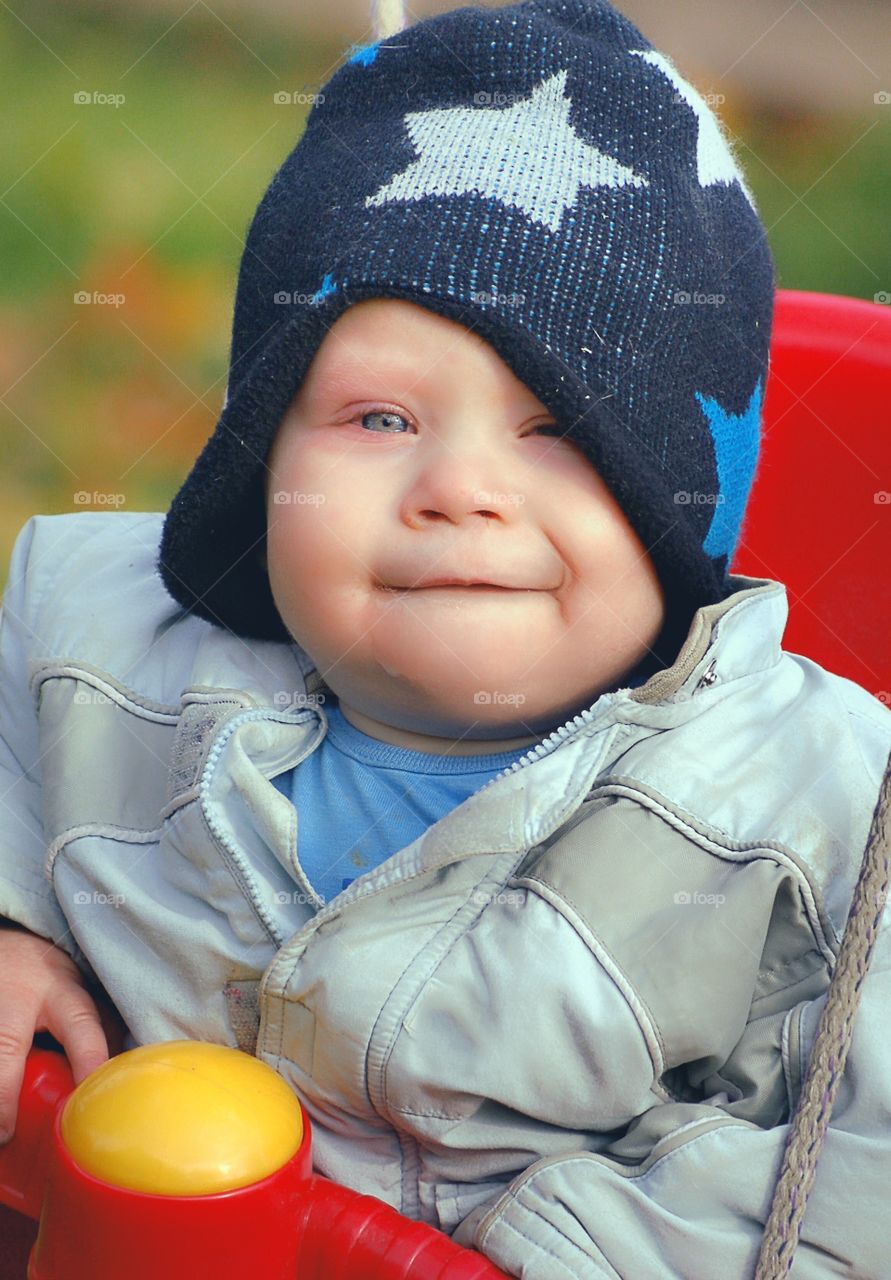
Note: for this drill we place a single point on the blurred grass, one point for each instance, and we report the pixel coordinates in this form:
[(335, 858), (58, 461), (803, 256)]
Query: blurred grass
[(119, 400)]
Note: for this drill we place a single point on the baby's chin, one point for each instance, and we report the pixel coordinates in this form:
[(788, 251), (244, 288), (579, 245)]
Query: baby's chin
[(455, 712), (490, 693)]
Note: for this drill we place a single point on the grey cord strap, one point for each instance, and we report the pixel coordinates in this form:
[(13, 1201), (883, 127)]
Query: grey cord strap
[(830, 1051)]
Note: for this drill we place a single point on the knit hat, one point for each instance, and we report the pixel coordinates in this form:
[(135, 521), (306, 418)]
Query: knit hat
[(541, 174)]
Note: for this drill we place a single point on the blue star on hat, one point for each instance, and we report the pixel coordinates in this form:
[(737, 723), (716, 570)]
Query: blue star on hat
[(736, 438)]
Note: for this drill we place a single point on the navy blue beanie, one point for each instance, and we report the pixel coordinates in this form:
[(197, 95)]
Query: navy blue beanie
[(541, 174)]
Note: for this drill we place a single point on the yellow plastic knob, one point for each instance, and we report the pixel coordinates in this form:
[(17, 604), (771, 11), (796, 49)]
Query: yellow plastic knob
[(182, 1118)]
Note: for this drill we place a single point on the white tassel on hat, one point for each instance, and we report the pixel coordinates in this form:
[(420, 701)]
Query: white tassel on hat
[(388, 17)]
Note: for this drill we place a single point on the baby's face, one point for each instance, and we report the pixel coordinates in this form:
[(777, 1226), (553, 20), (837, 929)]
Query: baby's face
[(413, 454)]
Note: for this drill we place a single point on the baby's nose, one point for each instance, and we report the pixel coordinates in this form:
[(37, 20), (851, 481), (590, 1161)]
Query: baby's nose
[(463, 488)]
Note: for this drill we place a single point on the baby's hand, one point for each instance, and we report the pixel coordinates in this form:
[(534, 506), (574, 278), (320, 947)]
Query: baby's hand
[(42, 989)]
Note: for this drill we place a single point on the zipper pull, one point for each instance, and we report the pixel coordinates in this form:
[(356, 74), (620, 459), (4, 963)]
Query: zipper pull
[(708, 676)]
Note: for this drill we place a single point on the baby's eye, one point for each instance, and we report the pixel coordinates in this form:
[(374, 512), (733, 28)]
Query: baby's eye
[(551, 428), (388, 416)]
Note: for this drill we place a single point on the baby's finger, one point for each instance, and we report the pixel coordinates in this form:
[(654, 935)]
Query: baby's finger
[(16, 1034), (73, 1019)]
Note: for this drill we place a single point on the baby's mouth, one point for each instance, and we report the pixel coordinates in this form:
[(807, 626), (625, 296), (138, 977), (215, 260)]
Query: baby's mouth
[(453, 586), (461, 586), (450, 584)]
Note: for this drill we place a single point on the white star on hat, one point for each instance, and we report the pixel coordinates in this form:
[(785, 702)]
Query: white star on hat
[(527, 155), (714, 161)]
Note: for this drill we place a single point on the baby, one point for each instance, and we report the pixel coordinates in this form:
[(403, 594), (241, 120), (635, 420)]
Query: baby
[(428, 748)]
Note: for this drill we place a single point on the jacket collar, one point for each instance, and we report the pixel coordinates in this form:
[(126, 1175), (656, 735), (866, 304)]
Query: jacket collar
[(533, 797), (739, 635)]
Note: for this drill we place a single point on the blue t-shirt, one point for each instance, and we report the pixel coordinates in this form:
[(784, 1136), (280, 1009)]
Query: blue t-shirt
[(360, 800)]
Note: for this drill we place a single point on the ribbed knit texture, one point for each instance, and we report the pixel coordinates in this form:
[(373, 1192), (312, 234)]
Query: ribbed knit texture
[(540, 173)]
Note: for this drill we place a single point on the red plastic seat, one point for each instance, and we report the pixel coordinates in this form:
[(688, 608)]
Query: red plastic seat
[(819, 518)]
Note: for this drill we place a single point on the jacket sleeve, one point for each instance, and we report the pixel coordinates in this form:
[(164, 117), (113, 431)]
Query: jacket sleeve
[(26, 896), (685, 1192)]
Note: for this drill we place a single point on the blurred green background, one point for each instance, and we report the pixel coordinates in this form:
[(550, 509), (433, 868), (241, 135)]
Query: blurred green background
[(149, 201)]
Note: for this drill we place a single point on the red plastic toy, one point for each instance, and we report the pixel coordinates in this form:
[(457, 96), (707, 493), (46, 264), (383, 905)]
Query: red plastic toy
[(289, 1225), (818, 521)]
